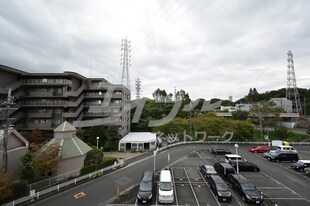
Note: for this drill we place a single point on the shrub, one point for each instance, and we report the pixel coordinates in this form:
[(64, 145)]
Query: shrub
[(106, 161), (87, 169), (20, 189)]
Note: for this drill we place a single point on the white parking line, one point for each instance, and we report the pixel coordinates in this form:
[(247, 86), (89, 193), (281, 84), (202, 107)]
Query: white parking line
[(289, 169), (175, 189), (286, 187), (191, 187)]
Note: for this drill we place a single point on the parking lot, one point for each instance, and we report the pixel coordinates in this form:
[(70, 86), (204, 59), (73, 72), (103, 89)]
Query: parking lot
[(191, 187)]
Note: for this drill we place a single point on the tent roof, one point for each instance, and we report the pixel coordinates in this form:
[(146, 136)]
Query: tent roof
[(138, 137)]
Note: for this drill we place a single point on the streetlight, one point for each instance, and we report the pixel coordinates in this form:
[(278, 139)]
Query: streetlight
[(190, 118), (236, 146), (154, 152), (97, 141)]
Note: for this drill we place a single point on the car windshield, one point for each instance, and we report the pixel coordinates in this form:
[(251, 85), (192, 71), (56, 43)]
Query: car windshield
[(165, 186), (210, 169), (247, 186), (145, 186), (221, 187)]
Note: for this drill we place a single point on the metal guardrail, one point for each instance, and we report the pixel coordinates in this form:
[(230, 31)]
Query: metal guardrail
[(36, 195)]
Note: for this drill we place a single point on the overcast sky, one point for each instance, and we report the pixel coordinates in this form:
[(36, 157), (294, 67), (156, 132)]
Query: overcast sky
[(209, 48)]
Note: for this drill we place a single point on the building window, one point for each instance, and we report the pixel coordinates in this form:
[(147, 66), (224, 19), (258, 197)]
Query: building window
[(44, 80)]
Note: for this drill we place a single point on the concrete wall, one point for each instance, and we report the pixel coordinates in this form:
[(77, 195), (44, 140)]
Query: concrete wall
[(7, 78), (14, 161), (14, 142), (68, 165)]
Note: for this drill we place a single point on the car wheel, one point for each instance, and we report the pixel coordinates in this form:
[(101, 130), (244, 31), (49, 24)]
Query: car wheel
[(256, 170), (255, 151), (276, 160), (301, 169), (230, 185), (293, 161), (244, 198)]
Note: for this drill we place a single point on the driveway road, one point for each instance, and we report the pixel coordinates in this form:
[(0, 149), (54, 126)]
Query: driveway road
[(99, 191)]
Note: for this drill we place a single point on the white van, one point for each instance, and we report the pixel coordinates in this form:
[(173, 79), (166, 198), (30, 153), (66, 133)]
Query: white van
[(165, 190), (286, 148)]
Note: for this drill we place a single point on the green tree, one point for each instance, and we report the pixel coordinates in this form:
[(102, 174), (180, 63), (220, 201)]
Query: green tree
[(97, 131), (112, 138), (5, 186), (240, 115), (94, 157), (243, 130), (265, 114), (80, 132), (45, 161), (176, 126), (26, 171)]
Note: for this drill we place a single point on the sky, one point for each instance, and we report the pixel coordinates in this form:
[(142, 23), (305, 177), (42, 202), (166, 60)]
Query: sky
[(208, 48)]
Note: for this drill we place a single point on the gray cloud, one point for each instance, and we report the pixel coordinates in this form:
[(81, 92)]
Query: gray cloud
[(208, 48)]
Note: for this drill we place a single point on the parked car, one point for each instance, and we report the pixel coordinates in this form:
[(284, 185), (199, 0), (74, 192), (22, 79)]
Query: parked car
[(307, 170), (219, 188), (224, 169), (286, 148), (244, 166), (165, 187), (248, 192), (267, 155), (146, 187), (229, 157), (284, 156), (220, 151), (259, 149), (207, 170), (300, 165)]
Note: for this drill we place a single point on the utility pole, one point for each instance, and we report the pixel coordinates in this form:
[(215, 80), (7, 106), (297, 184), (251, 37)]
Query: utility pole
[(5, 109)]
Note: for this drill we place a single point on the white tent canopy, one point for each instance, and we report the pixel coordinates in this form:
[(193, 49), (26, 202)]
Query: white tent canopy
[(137, 141)]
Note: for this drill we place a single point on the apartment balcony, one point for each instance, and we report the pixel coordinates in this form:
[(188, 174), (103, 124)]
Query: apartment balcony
[(44, 81), (96, 114), (13, 86), (40, 115), (40, 94), (73, 114), (94, 95), (117, 96), (75, 93), (36, 103), (77, 102), (39, 125)]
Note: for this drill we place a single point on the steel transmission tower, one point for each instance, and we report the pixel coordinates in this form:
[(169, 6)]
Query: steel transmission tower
[(125, 62), (138, 88), (291, 90)]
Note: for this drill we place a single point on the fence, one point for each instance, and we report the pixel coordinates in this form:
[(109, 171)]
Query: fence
[(41, 185), (34, 195)]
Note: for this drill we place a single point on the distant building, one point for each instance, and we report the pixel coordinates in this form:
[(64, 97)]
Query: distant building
[(17, 147), (230, 98), (228, 108), (289, 120), (283, 103), (243, 107), (45, 100)]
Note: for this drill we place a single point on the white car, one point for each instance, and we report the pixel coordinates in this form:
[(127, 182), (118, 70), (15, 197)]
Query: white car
[(229, 157)]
